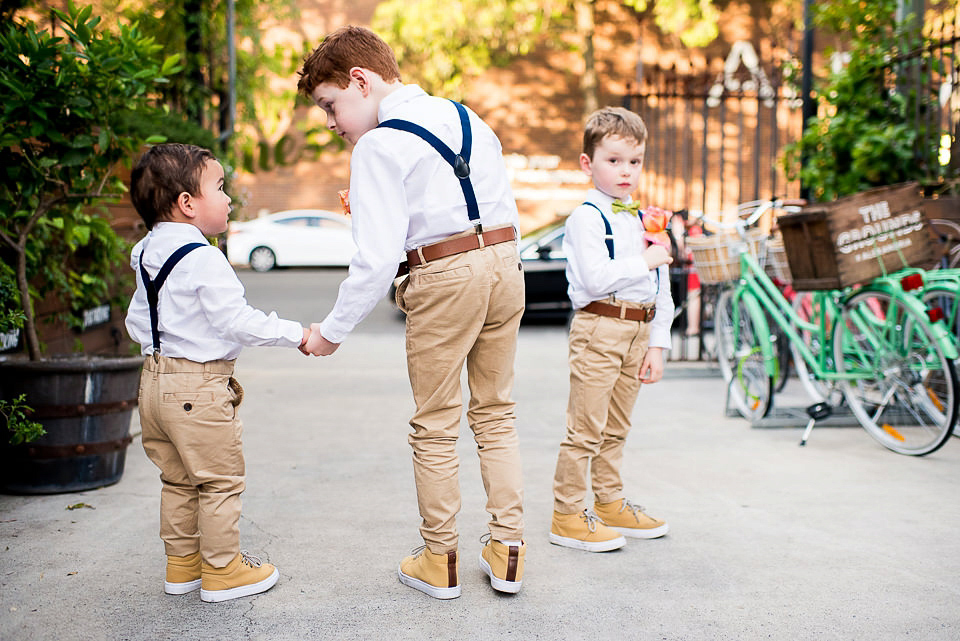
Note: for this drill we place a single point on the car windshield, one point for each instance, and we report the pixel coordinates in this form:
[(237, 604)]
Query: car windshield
[(299, 221)]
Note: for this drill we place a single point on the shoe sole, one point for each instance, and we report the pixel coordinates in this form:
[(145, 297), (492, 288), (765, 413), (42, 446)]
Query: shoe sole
[(589, 546), (215, 596), (501, 585), (181, 588), (638, 533), (426, 588)]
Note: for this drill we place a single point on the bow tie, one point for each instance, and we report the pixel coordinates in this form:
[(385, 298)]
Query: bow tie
[(630, 208), (654, 221)]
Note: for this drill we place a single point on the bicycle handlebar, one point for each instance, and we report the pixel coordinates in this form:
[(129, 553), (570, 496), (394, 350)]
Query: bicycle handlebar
[(762, 207)]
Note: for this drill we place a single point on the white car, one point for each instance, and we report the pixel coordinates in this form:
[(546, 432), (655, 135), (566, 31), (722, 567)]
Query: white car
[(298, 237)]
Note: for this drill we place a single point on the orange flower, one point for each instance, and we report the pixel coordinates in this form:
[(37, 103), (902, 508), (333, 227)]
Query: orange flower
[(344, 195), (655, 223)]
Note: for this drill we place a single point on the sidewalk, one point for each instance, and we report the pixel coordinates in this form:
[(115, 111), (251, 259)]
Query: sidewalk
[(840, 540)]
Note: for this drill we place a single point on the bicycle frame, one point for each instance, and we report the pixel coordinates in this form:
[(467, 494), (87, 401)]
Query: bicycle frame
[(759, 294)]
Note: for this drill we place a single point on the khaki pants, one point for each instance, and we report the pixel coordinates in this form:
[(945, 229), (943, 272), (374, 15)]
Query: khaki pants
[(464, 308), (192, 433), (605, 358)]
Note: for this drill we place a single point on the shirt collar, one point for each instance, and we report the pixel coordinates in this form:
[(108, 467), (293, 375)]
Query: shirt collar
[(179, 230), (597, 197), (393, 100)]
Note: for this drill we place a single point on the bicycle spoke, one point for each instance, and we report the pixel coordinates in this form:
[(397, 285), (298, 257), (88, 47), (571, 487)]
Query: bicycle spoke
[(900, 385)]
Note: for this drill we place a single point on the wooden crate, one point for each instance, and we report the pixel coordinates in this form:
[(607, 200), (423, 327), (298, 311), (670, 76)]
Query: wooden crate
[(857, 238), (944, 208)]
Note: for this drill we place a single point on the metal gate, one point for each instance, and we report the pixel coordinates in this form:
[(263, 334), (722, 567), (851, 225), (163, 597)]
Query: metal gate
[(931, 73), (716, 139)]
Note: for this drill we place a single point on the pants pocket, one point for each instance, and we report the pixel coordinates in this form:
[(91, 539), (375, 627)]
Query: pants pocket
[(398, 295)]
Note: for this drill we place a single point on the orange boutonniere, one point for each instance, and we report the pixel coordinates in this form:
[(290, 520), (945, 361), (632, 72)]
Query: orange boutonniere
[(344, 195), (655, 225)]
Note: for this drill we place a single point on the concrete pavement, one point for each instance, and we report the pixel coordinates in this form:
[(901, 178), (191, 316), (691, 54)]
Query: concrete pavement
[(839, 540)]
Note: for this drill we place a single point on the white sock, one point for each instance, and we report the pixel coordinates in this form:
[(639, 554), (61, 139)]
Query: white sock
[(509, 543)]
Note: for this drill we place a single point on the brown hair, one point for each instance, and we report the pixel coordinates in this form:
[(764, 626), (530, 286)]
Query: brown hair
[(612, 121), (162, 174), (341, 51)]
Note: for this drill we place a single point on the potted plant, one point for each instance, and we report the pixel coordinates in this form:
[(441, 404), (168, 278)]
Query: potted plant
[(63, 133)]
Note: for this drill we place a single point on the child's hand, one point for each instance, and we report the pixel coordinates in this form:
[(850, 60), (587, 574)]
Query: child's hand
[(303, 343), (651, 369), (656, 255), (318, 345)]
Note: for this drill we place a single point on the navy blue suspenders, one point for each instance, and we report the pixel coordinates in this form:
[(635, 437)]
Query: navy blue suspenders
[(607, 231), (460, 162), (153, 288), (608, 239)]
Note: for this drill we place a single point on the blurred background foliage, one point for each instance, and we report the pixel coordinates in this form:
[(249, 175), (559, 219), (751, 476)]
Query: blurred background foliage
[(441, 43), (871, 129)]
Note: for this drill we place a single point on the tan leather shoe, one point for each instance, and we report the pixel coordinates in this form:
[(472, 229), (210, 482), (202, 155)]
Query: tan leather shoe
[(630, 520), (243, 576), (433, 574), (503, 564), (183, 574), (584, 531)]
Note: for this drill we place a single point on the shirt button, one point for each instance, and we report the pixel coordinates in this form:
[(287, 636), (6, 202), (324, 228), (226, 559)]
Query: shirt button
[(187, 406)]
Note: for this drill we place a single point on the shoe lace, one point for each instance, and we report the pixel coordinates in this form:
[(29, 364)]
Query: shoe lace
[(251, 560), (591, 518), (627, 505), (485, 538)]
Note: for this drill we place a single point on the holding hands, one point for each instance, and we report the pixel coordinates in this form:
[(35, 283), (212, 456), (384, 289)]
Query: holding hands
[(315, 344)]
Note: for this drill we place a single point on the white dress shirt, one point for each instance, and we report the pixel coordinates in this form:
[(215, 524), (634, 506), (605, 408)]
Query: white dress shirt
[(203, 315), (403, 194), (594, 276)]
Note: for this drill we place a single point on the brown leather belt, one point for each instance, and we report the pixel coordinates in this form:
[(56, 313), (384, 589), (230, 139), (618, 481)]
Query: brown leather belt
[(642, 314), (458, 245)]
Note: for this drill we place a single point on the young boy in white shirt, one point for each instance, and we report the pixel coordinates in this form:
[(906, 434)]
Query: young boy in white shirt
[(620, 287), (427, 179), (191, 319)]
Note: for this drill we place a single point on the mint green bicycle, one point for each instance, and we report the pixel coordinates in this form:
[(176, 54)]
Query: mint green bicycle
[(888, 352)]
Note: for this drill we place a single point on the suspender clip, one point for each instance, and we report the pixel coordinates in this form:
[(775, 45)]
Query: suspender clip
[(460, 167), (478, 228)]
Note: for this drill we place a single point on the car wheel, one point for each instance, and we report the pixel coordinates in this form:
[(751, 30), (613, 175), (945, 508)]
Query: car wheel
[(262, 259)]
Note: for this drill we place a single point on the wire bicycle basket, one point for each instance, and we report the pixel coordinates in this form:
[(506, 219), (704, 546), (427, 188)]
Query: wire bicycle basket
[(716, 258)]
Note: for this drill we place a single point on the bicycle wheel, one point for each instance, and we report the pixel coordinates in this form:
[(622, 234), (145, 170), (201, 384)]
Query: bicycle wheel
[(905, 391), (947, 298), (807, 307), (949, 234), (784, 354), (738, 334)]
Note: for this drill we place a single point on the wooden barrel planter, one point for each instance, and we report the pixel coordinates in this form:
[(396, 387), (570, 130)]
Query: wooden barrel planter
[(85, 405)]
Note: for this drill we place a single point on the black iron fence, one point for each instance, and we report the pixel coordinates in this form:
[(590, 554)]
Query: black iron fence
[(930, 73), (716, 139)]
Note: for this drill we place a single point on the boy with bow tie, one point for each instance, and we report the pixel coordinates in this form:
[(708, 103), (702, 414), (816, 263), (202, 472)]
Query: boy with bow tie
[(617, 257)]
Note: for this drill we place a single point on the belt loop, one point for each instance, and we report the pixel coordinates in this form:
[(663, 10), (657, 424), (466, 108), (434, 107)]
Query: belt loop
[(623, 311), (423, 261), (480, 240)]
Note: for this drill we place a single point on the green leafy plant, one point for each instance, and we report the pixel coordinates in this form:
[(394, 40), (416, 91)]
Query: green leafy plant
[(64, 128), (11, 314), (16, 415), (866, 134)]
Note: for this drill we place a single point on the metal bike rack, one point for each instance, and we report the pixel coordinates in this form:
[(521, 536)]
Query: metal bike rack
[(838, 416)]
